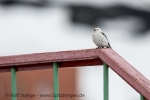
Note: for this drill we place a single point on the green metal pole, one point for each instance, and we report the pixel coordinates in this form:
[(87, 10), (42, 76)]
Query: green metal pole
[(142, 97), (56, 85), (105, 80), (13, 83)]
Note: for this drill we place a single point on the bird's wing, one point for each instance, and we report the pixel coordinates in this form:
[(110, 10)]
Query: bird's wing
[(107, 39), (104, 35)]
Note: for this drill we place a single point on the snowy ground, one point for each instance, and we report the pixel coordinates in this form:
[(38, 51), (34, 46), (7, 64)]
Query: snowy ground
[(28, 30)]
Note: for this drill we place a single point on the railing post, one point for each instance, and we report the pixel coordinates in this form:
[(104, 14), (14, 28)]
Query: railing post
[(142, 97), (13, 83), (56, 85), (105, 82)]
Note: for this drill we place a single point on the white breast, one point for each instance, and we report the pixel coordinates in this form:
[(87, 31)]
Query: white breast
[(99, 39)]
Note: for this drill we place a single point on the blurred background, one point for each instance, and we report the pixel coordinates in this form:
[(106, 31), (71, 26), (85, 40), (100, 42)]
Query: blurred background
[(36, 26)]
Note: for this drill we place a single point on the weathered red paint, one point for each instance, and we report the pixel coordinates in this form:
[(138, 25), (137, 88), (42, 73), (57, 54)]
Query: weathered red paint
[(126, 71), (44, 60), (88, 62), (80, 58)]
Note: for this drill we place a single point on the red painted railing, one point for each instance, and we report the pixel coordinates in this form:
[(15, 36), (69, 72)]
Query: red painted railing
[(75, 58)]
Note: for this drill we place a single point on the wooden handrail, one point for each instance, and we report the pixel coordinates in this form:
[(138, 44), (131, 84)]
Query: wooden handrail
[(87, 57)]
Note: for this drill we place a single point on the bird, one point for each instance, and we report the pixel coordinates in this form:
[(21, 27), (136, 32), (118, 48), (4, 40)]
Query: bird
[(100, 39)]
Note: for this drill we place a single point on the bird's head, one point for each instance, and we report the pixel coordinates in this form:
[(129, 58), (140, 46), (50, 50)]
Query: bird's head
[(98, 30)]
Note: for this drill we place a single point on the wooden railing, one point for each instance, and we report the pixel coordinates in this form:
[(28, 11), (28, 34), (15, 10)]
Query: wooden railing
[(88, 57)]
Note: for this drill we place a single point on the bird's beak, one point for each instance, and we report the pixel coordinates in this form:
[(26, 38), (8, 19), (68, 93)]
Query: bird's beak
[(94, 29)]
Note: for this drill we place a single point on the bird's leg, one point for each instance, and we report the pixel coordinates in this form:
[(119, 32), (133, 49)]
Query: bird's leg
[(108, 47), (99, 47)]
